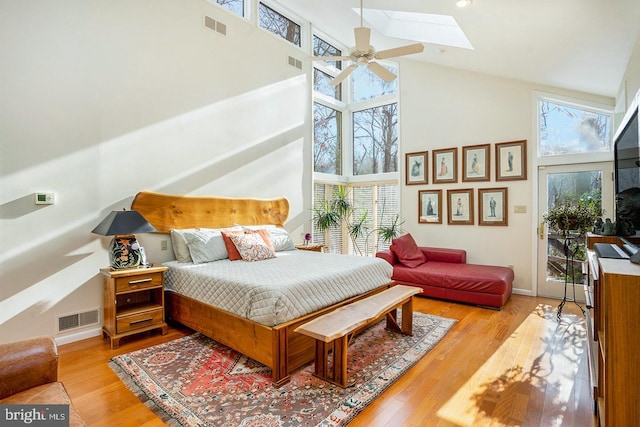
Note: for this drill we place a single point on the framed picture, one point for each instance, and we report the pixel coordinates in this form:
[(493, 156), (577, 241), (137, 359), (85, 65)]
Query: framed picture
[(460, 207), (475, 163), (430, 207), (492, 206), (511, 161), (445, 165), (416, 168)]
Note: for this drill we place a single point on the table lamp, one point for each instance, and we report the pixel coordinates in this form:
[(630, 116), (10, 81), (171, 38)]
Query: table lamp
[(124, 250)]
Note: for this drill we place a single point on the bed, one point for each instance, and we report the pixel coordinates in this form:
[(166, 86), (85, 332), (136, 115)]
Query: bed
[(271, 342)]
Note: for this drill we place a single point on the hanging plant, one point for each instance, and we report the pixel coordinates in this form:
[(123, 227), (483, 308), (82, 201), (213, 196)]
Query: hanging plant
[(566, 218)]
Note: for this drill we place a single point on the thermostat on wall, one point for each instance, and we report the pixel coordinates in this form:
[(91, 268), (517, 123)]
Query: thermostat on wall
[(45, 198)]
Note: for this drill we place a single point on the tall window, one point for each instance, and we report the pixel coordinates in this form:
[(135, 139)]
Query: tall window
[(355, 145), (279, 24)]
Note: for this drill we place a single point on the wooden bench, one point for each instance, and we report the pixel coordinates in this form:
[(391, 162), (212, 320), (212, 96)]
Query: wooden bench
[(333, 331)]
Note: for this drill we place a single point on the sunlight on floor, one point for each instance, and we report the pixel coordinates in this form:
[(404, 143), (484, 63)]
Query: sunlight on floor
[(523, 372)]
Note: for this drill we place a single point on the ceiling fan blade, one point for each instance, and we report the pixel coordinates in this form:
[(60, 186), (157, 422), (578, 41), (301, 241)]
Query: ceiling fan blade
[(343, 75), (330, 58), (382, 72), (363, 38), (400, 51)]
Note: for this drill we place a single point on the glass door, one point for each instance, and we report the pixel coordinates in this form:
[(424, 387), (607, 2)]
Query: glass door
[(560, 259)]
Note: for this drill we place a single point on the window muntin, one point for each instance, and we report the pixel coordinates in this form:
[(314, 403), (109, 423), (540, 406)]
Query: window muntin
[(327, 156), (569, 129), (324, 48), (278, 24), (321, 84), (235, 6), (375, 140), (367, 85)]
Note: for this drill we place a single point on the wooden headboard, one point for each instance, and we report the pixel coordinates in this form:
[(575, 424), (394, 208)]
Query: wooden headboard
[(167, 211)]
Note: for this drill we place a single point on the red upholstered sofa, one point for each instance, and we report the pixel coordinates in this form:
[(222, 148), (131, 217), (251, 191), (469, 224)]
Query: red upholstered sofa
[(445, 274)]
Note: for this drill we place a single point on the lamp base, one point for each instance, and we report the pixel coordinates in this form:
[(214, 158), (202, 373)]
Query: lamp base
[(124, 252)]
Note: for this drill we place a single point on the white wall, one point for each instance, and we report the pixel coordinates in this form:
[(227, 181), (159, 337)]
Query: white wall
[(630, 84), (102, 99), (445, 108)]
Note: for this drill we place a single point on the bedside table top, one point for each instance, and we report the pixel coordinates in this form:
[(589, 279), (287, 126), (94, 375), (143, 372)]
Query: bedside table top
[(310, 247), (152, 268)]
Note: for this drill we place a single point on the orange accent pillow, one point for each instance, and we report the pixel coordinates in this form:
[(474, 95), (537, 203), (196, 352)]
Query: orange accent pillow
[(234, 255)]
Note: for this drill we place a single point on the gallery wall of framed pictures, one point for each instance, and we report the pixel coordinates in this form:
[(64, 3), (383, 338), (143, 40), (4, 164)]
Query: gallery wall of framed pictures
[(489, 203)]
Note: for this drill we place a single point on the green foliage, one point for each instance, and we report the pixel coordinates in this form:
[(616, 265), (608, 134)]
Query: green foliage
[(339, 211), (577, 217)]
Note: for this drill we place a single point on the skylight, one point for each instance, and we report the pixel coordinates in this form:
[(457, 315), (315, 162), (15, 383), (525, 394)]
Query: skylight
[(423, 27)]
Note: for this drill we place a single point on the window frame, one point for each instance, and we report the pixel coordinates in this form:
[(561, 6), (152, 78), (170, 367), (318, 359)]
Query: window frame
[(288, 14), (563, 159)]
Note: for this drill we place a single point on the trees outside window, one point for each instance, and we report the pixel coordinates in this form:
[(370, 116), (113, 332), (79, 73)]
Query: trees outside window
[(235, 6), (278, 24), (568, 129), (375, 140), (327, 140)]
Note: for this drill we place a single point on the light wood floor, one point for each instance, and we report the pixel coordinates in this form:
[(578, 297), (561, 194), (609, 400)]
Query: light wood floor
[(514, 367)]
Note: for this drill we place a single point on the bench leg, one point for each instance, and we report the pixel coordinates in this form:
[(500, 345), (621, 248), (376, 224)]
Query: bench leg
[(340, 360), (407, 317), (322, 356)]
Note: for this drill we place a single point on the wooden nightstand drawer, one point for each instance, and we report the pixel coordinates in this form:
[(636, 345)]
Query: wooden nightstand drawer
[(140, 281), (139, 320)]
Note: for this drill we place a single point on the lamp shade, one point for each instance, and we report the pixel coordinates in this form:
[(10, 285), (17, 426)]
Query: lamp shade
[(124, 250), (123, 222)]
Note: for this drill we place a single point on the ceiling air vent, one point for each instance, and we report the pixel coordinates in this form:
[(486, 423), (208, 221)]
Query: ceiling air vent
[(295, 63), (78, 320), (214, 25)]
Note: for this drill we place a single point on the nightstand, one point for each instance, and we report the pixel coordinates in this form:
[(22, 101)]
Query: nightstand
[(133, 302), (313, 248)]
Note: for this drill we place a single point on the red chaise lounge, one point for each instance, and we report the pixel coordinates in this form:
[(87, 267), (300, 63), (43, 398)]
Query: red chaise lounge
[(444, 273)]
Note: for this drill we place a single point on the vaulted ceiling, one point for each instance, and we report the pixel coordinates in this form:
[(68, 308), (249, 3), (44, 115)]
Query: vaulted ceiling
[(582, 45)]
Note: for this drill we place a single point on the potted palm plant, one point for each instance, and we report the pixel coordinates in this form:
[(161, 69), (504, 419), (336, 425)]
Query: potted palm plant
[(339, 211)]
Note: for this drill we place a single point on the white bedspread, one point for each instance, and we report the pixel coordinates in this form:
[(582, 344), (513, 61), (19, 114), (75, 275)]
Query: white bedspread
[(277, 290)]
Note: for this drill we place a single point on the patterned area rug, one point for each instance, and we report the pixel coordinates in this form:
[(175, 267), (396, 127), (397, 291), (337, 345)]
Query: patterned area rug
[(195, 381)]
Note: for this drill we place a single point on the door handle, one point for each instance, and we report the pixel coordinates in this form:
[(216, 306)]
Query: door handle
[(541, 231)]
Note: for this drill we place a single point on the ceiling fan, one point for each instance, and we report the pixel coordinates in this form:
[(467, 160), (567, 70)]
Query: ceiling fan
[(365, 54)]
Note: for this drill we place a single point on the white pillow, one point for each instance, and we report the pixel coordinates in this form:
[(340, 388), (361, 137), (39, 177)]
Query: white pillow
[(179, 244), (252, 247), (280, 238), (206, 244)]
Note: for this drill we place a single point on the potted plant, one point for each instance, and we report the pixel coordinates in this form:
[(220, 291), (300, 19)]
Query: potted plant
[(570, 217), (339, 211)]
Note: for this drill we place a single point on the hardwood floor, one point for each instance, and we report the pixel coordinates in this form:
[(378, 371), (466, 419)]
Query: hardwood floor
[(514, 367)]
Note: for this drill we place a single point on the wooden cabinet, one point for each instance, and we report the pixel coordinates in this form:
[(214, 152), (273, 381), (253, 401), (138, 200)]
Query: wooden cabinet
[(615, 285), (133, 302)]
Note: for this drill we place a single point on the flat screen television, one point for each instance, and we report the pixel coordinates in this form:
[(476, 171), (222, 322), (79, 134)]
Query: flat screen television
[(627, 172)]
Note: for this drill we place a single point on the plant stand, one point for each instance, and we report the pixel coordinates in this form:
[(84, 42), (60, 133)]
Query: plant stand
[(570, 249)]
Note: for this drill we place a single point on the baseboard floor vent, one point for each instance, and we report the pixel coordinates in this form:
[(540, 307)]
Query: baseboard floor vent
[(295, 63), (78, 320), (214, 25)]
